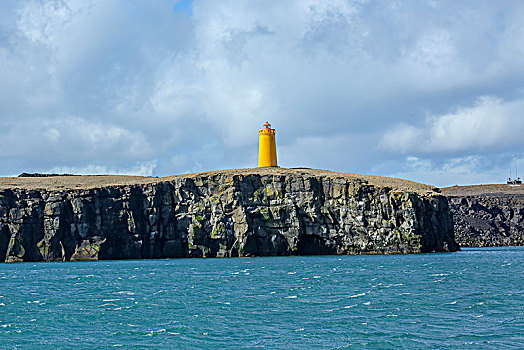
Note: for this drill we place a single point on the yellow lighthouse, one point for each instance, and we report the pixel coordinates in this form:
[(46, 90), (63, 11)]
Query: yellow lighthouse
[(267, 147)]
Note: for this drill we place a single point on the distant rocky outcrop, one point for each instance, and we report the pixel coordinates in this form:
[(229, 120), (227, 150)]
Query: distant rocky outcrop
[(487, 215), (42, 175), (251, 212)]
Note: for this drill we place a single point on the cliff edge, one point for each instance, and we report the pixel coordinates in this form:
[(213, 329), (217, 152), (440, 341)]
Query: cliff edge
[(247, 212)]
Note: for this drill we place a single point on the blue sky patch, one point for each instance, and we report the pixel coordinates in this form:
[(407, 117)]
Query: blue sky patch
[(184, 5)]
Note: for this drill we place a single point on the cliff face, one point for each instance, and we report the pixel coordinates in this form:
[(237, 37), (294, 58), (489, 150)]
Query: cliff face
[(488, 220), (253, 213)]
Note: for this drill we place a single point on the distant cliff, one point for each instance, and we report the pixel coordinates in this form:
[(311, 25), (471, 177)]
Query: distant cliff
[(250, 212), (487, 215)]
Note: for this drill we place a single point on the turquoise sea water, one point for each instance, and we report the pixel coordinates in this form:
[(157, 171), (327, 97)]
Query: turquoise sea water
[(470, 299)]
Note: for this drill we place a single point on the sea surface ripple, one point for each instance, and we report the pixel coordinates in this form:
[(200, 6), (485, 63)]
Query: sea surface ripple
[(471, 299)]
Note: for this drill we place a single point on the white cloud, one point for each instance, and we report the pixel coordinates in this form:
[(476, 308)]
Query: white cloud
[(457, 170), (42, 22), (434, 54), (489, 123), (72, 140), (140, 169), (115, 84)]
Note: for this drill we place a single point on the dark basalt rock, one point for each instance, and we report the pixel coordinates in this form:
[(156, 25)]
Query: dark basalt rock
[(488, 220), (221, 215)]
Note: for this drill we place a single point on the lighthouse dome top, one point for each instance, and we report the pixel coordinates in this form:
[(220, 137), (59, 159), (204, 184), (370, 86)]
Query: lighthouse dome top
[(267, 125)]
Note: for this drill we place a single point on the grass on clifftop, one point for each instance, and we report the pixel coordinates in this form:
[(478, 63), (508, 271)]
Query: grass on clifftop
[(97, 181), (477, 190)]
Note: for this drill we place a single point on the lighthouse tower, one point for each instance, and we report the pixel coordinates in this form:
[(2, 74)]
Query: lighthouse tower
[(267, 147)]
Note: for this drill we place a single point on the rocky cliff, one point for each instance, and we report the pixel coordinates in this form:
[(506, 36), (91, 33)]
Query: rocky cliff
[(250, 212), (487, 215)]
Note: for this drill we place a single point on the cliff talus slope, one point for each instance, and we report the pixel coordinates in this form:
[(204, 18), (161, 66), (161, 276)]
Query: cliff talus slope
[(250, 212)]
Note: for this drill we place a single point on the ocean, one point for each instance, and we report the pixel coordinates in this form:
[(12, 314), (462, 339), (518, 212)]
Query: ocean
[(473, 299)]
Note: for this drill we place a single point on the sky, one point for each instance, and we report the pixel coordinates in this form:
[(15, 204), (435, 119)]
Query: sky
[(426, 90)]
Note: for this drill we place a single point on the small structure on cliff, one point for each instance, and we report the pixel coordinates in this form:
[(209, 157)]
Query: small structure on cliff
[(267, 147), (516, 180)]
